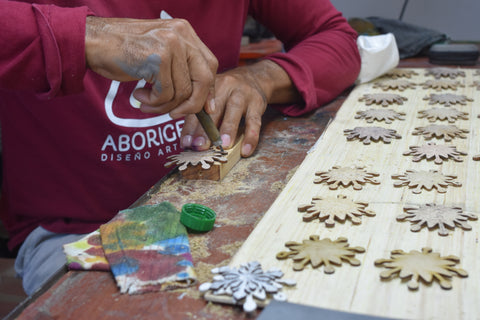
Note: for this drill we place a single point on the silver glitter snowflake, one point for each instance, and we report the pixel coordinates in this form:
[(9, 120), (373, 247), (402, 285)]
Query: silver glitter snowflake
[(431, 151), (205, 158), (449, 114), (432, 215), (369, 134), (247, 283), (428, 180)]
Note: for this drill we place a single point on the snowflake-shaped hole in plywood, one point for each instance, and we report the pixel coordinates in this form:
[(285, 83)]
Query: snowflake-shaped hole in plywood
[(329, 209), (369, 134), (247, 284), (446, 132), (319, 252), (387, 115), (400, 85), (400, 73), (205, 158), (445, 73), (441, 84), (428, 180), (447, 99), (438, 153), (346, 176), (449, 114), (424, 266), (383, 99), (436, 216)]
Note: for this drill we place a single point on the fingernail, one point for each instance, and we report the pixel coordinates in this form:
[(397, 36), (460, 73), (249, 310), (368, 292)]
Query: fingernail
[(212, 105), (226, 140), (199, 142), (186, 141), (246, 149)]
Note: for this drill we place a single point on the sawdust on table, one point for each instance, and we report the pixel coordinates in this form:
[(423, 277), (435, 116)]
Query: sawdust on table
[(199, 247), (231, 248)]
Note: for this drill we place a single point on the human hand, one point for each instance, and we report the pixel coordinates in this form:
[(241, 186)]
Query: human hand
[(166, 53), (237, 94)]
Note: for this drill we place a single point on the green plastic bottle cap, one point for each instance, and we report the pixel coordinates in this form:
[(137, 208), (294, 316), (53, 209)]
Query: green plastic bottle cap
[(197, 217)]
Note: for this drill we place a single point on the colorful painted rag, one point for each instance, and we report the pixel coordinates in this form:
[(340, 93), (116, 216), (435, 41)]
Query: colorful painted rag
[(86, 253), (146, 248)]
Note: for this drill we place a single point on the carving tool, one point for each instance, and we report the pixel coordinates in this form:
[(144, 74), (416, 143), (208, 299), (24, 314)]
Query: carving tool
[(210, 128)]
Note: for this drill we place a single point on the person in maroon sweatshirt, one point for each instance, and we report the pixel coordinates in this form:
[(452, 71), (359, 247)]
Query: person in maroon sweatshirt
[(95, 95)]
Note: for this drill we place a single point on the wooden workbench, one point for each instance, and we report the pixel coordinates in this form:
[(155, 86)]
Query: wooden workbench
[(240, 201)]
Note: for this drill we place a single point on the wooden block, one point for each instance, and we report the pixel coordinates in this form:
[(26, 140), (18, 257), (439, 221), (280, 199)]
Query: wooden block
[(218, 170)]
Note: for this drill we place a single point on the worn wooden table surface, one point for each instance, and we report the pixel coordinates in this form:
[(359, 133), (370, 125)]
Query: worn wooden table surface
[(240, 200)]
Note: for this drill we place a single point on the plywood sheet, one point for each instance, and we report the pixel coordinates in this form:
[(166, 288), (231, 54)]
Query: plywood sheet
[(359, 289)]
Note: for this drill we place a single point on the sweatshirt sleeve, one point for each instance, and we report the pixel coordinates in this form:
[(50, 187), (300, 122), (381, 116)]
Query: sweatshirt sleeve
[(321, 55), (43, 48)]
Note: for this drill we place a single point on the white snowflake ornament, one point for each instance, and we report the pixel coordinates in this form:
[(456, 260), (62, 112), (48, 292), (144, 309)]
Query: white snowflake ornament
[(247, 284)]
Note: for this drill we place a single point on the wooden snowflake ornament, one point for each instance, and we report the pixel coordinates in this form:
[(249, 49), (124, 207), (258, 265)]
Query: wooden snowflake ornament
[(447, 99), (449, 114), (446, 132), (400, 85), (346, 176), (445, 73), (476, 84), (436, 216), (387, 115), (205, 158), (369, 134), (329, 209), (383, 99), (428, 180), (247, 285), (441, 84), (424, 266), (400, 73), (438, 153), (318, 252)]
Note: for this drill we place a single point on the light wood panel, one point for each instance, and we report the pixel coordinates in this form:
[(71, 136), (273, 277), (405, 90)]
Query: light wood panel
[(359, 289)]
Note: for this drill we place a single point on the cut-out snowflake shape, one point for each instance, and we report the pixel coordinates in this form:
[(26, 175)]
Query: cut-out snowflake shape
[(448, 99), (346, 176), (369, 134), (329, 209), (441, 84), (401, 73), (400, 85), (445, 73), (449, 114), (319, 252), (205, 158), (247, 283), (476, 84), (384, 99), (476, 157), (433, 216), (387, 115), (431, 151), (423, 266), (447, 132), (428, 180)]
